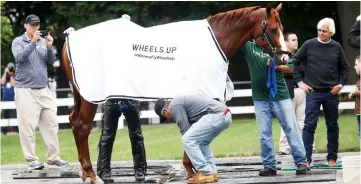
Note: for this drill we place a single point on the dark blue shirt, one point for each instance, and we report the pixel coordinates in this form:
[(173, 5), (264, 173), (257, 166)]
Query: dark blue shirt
[(325, 64)]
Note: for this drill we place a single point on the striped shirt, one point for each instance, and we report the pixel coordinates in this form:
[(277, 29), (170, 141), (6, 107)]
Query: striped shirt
[(31, 62)]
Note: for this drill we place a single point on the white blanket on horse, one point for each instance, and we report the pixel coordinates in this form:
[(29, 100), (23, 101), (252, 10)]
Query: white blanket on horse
[(119, 59)]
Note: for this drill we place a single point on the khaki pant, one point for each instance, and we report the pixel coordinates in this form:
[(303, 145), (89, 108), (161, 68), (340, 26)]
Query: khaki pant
[(36, 107), (299, 102)]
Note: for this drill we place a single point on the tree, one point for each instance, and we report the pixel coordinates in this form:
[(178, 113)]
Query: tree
[(6, 39)]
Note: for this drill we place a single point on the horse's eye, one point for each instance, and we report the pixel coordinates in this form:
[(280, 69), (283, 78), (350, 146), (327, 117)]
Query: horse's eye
[(274, 31)]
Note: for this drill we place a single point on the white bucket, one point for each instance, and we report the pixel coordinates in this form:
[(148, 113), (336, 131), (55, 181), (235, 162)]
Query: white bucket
[(351, 169)]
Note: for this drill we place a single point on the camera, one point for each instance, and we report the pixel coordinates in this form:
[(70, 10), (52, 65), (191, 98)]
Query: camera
[(12, 69), (44, 33)]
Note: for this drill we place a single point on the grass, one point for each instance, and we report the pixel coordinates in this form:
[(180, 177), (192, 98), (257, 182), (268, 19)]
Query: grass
[(163, 142)]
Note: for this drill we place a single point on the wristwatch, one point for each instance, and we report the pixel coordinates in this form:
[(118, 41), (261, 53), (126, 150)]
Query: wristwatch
[(341, 86)]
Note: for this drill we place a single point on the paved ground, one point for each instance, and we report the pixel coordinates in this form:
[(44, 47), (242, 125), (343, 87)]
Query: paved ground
[(230, 170)]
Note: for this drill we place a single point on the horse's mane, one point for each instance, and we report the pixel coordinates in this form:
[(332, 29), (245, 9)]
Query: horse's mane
[(230, 17)]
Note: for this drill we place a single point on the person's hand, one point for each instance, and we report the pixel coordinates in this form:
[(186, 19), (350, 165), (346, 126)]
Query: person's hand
[(285, 58), (36, 36), (351, 94), (335, 89), (69, 30), (268, 62), (125, 16), (7, 70), (49, 41), (306, 88)]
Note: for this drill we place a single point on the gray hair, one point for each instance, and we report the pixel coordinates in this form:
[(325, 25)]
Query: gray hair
[(327, 22)]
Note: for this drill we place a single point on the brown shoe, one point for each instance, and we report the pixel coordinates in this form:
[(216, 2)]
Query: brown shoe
[(215, 177), (201, 178), (332, 163), (188, 176)]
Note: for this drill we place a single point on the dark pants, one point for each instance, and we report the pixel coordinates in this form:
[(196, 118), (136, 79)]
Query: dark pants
[(112, 111), (329, 102)]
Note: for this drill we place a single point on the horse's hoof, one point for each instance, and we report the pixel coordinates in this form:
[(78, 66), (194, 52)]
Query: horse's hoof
[(83, 175), (97, 181)]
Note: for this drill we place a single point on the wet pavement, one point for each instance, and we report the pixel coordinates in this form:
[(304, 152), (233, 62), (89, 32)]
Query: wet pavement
[(230, 170)]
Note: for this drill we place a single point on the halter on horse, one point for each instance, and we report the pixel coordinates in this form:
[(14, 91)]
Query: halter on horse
[(232, 30)]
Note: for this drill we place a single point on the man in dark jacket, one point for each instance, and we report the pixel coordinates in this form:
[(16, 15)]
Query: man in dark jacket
[(354, 35)]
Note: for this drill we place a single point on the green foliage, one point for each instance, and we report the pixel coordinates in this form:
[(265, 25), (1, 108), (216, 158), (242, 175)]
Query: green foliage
[(6, 39)]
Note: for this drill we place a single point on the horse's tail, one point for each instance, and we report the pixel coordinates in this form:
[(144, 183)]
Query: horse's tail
[(69, 74)]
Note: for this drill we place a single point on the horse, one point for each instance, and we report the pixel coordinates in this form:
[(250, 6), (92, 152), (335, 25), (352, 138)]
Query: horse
[(232, 30)]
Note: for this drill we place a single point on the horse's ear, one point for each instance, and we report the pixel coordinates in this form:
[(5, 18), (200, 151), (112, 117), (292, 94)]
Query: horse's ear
[(268, 9), (279, 7)]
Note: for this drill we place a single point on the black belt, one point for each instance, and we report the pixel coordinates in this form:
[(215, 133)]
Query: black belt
[(322, 89)]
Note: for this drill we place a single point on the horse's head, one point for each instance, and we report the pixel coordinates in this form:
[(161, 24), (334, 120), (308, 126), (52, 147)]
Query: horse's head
[(268, 30)]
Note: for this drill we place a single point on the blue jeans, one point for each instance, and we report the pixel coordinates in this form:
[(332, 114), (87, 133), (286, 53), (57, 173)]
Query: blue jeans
[(329, 102), (196, 141), (285, 114)]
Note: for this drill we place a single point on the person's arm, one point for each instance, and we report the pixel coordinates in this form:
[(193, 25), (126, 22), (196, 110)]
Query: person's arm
[(3, 78), (69, 30), (297, 62), (343, 67), (180, 116), (283, 68), (354, 35), (357, 92), (21, 54), (50, 56), (286, 68), (12, 80)]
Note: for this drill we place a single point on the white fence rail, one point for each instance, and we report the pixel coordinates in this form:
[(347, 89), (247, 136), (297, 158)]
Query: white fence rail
[(151, 113)]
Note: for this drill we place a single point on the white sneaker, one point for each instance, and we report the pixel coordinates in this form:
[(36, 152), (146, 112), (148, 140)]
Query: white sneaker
[(59, 163), (35, 165)]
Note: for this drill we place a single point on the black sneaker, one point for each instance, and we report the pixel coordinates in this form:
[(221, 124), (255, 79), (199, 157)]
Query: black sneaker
[(301, 169), (105, 176), (268, 172), (283, 153), (139, 174)]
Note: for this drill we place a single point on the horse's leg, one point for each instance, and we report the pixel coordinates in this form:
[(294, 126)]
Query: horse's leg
[(81, 131), (188, 165), (74, 119), (81, 119)]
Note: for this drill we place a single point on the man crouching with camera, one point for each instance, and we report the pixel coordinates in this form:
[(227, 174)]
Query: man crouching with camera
[(34, 102)]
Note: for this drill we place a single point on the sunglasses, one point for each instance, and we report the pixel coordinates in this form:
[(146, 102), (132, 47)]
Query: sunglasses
[(321, 30)]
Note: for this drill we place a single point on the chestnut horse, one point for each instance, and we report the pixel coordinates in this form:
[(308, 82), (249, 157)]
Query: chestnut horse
[(232, 30)]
